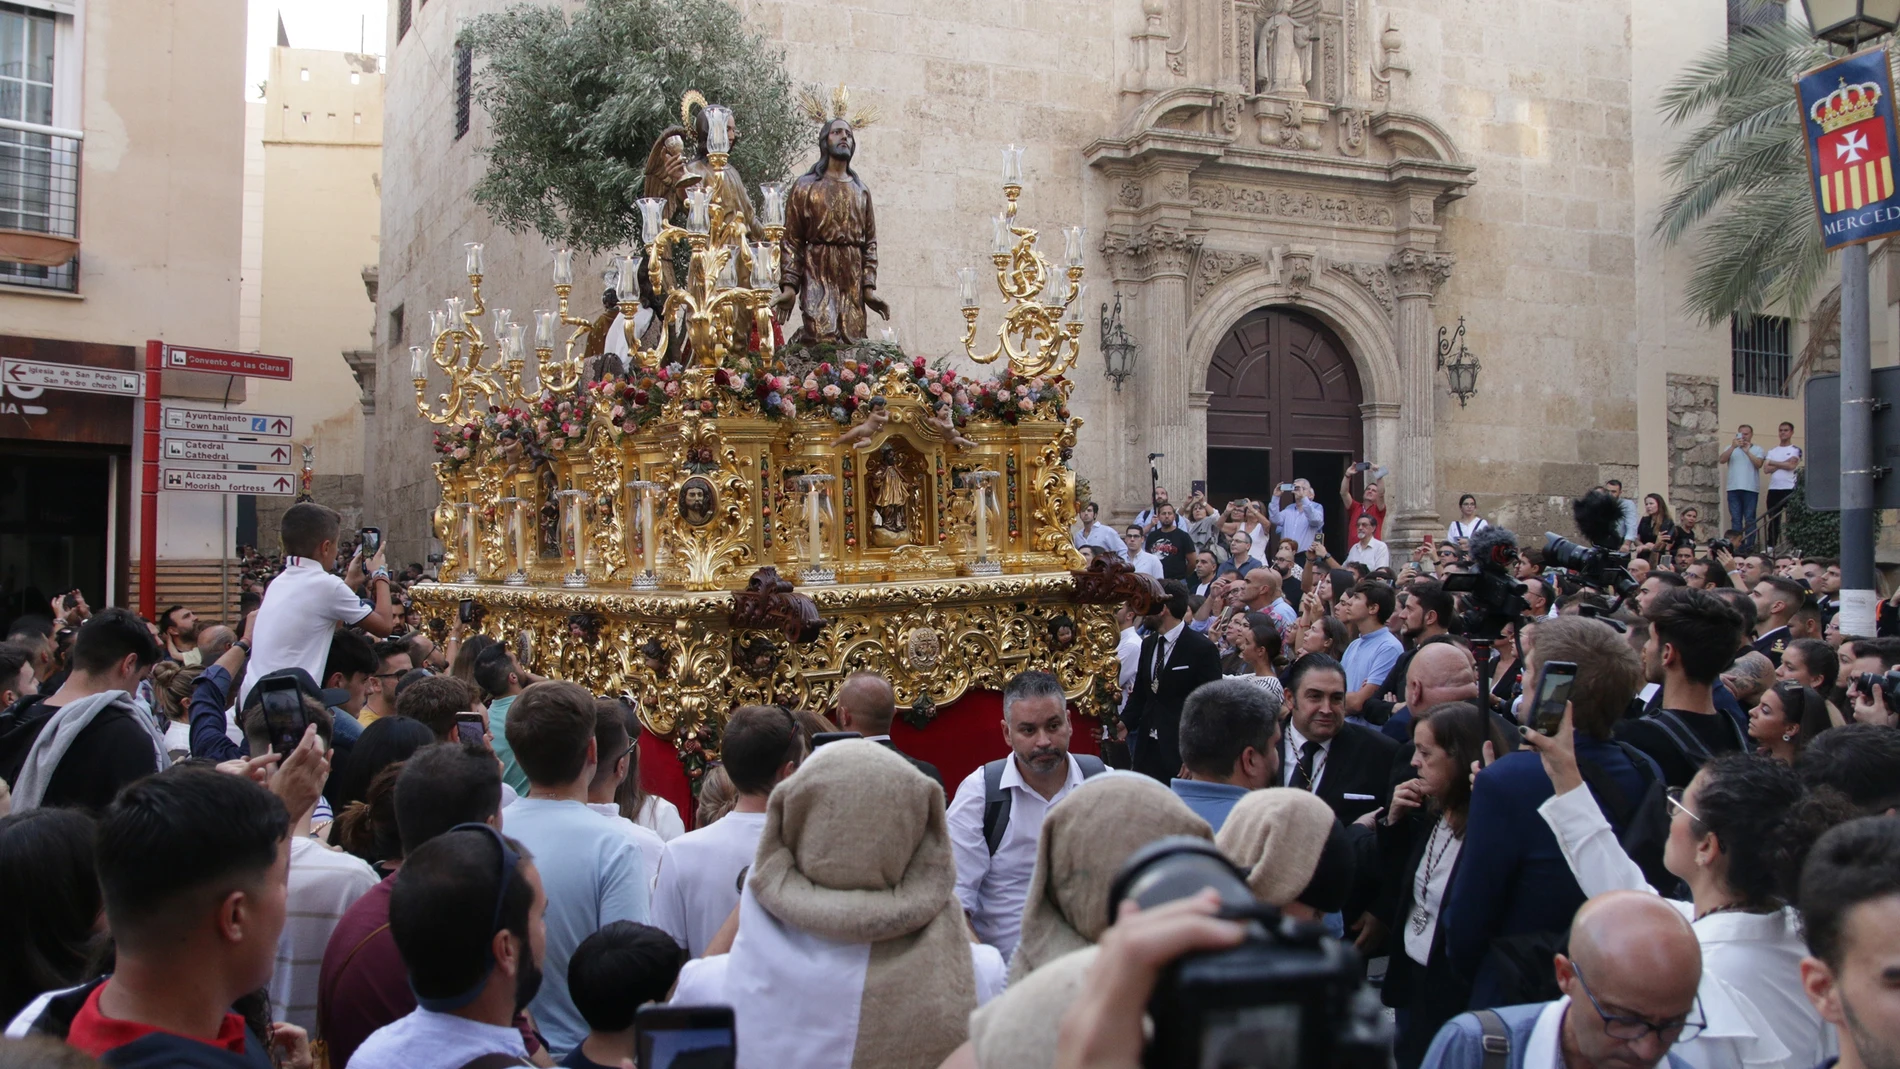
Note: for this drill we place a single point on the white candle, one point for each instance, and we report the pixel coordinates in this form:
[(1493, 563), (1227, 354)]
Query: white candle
[(982, 520), (811, 518), (468, 536), (646, 528), (474, 257), (563, 267)]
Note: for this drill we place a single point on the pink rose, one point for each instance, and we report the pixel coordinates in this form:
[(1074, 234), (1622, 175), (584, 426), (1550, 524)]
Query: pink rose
[(963, 397), (831, 392), (847, 375), (863, 391), (1026, 404), (705, 406), (785, 405), (811, 382), (936, 389), (672, 389), (558, 443), (619, 413), (461, 454), (738, 382)]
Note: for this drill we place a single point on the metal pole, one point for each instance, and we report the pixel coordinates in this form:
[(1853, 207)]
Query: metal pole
[(1857, 597), (148, 488)]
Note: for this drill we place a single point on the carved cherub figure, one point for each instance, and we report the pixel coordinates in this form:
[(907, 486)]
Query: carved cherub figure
[(946, 426), (874, 421)]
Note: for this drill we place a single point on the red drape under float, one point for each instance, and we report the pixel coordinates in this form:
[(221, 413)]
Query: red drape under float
[(963, 736)]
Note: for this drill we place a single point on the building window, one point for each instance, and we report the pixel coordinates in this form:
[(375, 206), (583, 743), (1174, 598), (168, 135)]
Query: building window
[(305, 73), (402, 18), (1746, 15), (356, 78), (395, 327), (464, 87), (39, 169), (1759, 348)]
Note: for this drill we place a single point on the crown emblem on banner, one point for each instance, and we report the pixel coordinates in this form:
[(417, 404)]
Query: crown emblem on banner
[(1845, 106)]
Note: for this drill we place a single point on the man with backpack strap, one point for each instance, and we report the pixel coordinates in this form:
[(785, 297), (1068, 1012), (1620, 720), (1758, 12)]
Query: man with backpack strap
[(996, 816), (1693, 636)]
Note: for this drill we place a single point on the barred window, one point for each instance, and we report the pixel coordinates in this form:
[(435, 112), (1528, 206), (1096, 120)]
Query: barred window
[(402, 18), (1759, 348), (464, 86)]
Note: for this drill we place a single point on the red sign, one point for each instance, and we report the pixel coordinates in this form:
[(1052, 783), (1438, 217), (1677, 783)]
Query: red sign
[(224, 362)]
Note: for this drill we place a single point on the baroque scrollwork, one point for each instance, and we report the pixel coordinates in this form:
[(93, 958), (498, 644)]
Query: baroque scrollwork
[(1419, 272), (1288, 204), (1375, 278), (1215, 267)]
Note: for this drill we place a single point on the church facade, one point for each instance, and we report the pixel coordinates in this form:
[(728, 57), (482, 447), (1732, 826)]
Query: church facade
[(1297, 204)]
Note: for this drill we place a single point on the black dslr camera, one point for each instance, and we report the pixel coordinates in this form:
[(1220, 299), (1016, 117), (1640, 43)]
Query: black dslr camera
[(1886, 685), (1290, 997), (1494, 598), (1600, 564)]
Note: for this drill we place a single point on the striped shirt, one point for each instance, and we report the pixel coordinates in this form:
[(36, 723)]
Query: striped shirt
[(323, 884)]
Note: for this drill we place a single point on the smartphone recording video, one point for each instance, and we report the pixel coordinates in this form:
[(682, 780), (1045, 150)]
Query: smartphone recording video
[(1553, 693), (371, 540), (679, 1037), (471, 727), (283, 713)]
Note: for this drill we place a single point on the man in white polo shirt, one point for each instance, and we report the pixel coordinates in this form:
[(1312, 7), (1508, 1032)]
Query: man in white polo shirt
[(305, 603)]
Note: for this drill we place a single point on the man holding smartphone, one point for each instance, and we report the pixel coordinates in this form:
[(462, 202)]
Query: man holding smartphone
[(305, 603)]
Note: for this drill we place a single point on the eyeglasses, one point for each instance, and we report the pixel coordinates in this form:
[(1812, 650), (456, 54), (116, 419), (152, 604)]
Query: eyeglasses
[(1631, 1029), (1674, 796)]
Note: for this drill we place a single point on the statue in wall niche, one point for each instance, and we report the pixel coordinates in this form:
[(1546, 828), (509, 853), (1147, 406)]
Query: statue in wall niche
[(1283, 52)]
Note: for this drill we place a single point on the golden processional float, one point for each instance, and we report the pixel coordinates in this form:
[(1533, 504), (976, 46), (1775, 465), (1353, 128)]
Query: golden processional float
[(724, 520)]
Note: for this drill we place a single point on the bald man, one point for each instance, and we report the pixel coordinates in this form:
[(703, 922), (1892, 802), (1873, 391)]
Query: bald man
[(1632, 969), (1439, 672), (867, 705)]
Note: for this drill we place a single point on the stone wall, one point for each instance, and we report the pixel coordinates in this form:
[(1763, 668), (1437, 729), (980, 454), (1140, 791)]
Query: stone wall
[(1694, 451), (344, 493)]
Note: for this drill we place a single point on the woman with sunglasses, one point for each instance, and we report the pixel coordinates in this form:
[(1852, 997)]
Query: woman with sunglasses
[(1737, 836)]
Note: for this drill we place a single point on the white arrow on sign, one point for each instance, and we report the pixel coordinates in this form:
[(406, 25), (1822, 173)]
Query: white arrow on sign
[(227, 421), (73, 377), (228, 482), (227, 452)]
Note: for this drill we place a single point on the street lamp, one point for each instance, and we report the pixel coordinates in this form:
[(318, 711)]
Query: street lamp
[(1118, 349), (1461, 368), (1849, 22)]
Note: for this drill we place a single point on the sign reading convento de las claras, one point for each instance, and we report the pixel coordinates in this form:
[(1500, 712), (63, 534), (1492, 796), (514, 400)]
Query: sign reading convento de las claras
[(1847, 107)]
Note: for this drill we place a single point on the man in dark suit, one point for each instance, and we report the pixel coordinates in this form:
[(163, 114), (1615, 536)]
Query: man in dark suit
[(1347, 765), (867, 705), (1175, 659)]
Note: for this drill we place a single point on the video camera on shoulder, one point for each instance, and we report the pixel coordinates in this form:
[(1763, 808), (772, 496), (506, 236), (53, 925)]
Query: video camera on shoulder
[(1494, 596), (1290, 997), (1602, 564)]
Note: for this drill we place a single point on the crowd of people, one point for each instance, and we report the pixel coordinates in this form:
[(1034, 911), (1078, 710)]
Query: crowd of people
[(327, 836)]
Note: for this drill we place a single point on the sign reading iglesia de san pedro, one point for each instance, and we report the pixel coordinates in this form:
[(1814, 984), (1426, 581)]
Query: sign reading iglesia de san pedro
[(1847, 108)]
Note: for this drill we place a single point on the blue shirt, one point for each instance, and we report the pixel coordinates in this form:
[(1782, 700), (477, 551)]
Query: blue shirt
[(1210, 801), (511, 773), (592, 875), (1299, 521), (1370, 657)]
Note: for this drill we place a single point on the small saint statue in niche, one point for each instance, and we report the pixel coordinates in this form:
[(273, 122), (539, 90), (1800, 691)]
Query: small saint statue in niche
[(890, 503), (1283, 52)]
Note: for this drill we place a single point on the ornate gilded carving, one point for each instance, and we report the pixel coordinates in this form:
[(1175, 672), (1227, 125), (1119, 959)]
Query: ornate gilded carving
[(608, 538), (1288, 204), (701, 555), (1374, 277)]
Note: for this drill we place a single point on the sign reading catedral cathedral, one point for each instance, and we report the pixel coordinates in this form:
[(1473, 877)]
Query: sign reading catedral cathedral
[(1848, 112)]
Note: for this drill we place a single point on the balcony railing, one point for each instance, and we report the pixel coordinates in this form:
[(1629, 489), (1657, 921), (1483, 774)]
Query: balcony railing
[(39, 206)]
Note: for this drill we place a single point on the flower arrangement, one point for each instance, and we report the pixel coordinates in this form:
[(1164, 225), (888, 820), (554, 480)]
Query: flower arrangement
[(560, 420), (511, 422), (456, 444)]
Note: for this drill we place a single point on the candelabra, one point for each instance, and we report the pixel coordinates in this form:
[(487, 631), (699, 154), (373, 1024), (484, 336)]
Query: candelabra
[(644, 490), (462, 350), (817, 507), (1042, 326), (979, 484)]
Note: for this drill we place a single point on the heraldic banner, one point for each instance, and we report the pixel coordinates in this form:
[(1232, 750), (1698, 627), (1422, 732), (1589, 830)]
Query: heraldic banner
[(1847, 107)]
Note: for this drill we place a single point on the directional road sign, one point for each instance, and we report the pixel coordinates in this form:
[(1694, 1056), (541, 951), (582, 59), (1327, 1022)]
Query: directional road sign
[(228, 482), (227, 452), (30, 373), (225, 362), (226, 420)]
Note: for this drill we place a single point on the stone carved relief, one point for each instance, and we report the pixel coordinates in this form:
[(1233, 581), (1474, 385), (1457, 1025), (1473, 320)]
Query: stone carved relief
[(1418, 272), (1155, 250), (1130, 194), (1298, 261), (1352, 131), (1283, 51), (1288, 204), (1375, 279), (1216, 266), (1229, 107)]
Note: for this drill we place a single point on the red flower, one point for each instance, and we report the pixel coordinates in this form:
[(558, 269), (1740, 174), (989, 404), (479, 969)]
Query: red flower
[(824, 368), (722, 376), (639, 397), (811, 395)]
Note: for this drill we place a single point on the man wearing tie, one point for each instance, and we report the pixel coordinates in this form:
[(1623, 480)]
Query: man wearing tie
[(1347, 765), (1175, 659)]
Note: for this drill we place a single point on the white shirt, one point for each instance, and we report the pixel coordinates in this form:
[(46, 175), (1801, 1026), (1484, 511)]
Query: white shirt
[(1128, 652), (427, 1040), (994, 888), (645, 839), (1783, 479), (323, 884), (1460, 530), (1146, 563), (1257, 542), (1290, 759), (700, 877), (301, 609), (1428, 890), (1374, 555), (1757, 957), (1101, 536), (662, 816), (768, 979)]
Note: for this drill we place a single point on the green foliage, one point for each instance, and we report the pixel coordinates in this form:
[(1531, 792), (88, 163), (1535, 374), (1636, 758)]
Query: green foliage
[(576, 105), (1741, 176), (1815, 534)]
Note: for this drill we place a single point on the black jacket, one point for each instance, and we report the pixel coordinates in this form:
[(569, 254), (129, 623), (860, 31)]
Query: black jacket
[(112, 751), (52, 1015), (1153, 714), (1434, 992), (1358, 763), (925, 767)]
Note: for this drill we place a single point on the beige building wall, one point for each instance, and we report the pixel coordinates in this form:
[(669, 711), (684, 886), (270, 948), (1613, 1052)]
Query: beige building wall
[(321, 140)]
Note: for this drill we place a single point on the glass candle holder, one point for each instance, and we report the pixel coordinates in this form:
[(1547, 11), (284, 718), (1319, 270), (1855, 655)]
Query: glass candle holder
[(729, 272), (543, 329), (474, 251), (564, 267), (500, 318), (452, 308), (772, 204), (415, 362), (652, 217), (763, 277), (515, 350), (573, 535), (471, 545), (1074, 239), (438, 322), (718, 128), (627, 282), (1001, 240), (699, 209), (1074, 313), (1013, 165), (966, 287), (514, 541)]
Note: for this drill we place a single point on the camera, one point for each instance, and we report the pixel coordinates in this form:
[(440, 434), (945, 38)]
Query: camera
[(1887, 686), (1720, 545), (1495, 597), (1598, 567), (1289, 997)]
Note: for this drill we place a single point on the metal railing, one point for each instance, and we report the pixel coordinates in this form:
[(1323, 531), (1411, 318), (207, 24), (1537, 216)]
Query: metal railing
[(39, 205)]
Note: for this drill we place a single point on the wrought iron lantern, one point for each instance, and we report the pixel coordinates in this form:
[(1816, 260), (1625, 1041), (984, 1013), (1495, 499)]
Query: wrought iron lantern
[(1118, 349), (1458, 363), (1851, 22)]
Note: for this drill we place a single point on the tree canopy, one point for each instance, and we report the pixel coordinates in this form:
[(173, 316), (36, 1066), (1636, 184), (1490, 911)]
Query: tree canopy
[(575, 105)]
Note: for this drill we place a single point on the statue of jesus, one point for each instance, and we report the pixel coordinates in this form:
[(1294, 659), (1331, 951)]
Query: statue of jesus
[(828, 259)]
